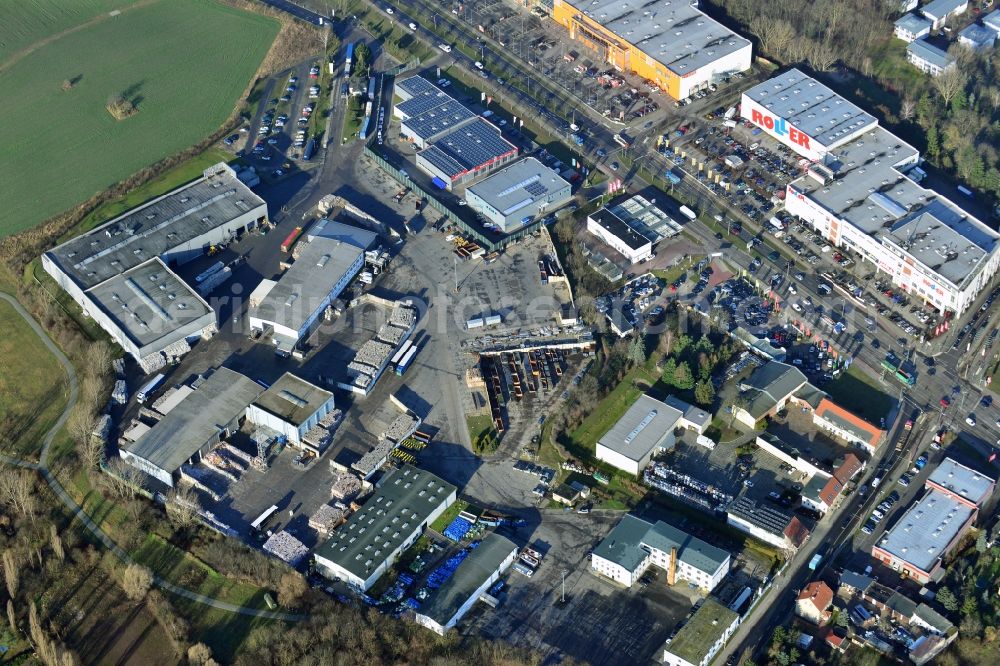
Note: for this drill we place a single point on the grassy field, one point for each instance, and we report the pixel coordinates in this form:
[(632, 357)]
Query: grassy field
[(169, 180), (857, 392), (449, 514), (583, 440), (183, 63), (480, 430), (26, 22), (32, 386)]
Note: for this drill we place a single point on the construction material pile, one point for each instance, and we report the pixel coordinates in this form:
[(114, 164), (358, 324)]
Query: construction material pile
[(286, 548), (205, 480), (118, 365), (401, 427), (102, 429), (358, 369), (374, 459), (159, 360), (345, 487), (326, 519), (321, 434), (120, 392), (440, 575), (403, 316)]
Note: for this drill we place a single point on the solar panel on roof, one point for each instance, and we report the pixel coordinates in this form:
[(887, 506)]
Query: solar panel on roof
[(535, 189)]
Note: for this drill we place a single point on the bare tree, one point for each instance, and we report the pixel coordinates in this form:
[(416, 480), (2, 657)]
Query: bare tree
[(291, 587), (11, 573), (950, 83), (11, 616), (182, 507), (823, 55), (907, 108), (782, 34), (199, 654), (56, 541), (136, 581), (17, 491), (123, 479)]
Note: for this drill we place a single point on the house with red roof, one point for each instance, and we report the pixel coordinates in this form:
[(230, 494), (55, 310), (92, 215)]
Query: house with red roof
[(813, 603), (848, 426)]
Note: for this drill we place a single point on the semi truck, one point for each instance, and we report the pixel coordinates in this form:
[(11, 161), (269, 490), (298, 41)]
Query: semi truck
[(149, 387), (290, 239), (404, 363)]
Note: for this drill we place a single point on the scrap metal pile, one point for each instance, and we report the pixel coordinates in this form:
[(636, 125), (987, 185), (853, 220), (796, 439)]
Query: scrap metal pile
[(286, 547)]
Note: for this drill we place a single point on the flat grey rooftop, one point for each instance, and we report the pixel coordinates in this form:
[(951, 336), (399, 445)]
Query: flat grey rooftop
[(811, 107), (196, 419), (473, 571), (149, 302), (692, 413), (944, 239), (941, 8), (674, 33), (306, 284), (925, 530), (640, 429), (402, 502), (518, 185), (912, 22), (155, 228), (292, 399), (924, 50), (963, 481)]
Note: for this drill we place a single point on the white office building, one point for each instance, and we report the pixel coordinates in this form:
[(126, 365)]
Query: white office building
[(860, 196), (645, 429), (634, 545)]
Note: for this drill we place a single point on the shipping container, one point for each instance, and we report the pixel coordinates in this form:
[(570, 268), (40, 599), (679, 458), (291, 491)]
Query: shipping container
[(289, 241), (438, 183), (404, 363)]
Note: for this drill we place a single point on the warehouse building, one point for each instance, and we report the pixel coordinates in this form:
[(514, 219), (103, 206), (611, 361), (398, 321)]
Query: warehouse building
[(514, 195), (483, 566), (206, 417), (700, 638), (291, 406), (645, 429), (632, 227), (119, 274), (634, 545), (961, 483), (927, 532), (859, 194), (323, 268), (767, 391), (465, 153), (405, 503), (670, 42)]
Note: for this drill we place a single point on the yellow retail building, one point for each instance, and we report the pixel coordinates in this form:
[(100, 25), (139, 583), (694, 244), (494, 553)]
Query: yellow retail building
[(670, 42)]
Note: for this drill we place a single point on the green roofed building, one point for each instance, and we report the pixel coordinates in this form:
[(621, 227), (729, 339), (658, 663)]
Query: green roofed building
[(405, 502), (705, 633), (484, 565)]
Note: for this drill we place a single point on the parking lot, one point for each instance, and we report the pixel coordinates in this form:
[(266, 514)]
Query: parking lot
[(633, 623)]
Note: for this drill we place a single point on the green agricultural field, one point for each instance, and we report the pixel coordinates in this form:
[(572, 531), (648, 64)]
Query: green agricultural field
[(182, 63), (32, 386), (25, 23)]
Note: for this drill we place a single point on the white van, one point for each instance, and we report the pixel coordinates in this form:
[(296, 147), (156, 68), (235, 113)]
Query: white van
[(445, 47)]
